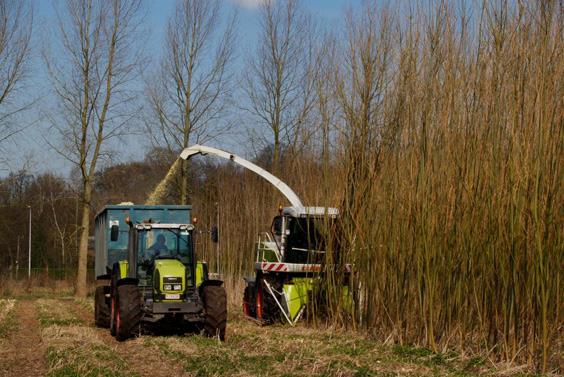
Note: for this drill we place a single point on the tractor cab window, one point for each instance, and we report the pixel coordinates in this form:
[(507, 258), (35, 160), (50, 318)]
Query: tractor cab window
[(155, 244), (165, 243)]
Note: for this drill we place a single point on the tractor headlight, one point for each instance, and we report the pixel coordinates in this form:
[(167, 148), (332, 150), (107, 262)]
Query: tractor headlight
[(167, 287), (177, 287)]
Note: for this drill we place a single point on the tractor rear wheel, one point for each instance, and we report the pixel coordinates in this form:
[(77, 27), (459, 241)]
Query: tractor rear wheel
[(101, 308), (129, 311), (215, 305)]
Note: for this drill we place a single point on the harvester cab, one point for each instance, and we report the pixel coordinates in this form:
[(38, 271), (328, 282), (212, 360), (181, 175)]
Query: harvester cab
[(153, 278), (297, 235)]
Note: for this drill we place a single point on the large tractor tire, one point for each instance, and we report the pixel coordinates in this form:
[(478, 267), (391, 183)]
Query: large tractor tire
[(129, 311), (215, 305), (101, 308)]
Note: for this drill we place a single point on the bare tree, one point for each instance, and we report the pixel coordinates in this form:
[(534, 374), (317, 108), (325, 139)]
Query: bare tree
[(280, 77), (16, 19), (189, 95), (90, 69)]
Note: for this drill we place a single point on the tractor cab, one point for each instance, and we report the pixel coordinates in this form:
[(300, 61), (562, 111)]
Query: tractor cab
[(156, 245)]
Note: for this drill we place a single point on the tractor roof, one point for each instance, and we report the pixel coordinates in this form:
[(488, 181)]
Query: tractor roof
[(148, 226)]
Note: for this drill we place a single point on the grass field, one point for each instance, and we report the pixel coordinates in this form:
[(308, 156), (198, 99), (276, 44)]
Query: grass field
[(58, 334), (7, 320)]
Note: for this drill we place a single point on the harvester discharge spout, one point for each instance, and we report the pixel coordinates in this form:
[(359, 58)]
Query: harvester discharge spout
[(275, 181)]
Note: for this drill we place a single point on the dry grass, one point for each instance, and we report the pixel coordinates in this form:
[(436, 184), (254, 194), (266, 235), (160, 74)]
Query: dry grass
[(78, 351), (52, 312), (6, 306), (74, 349), (252, 350), (36, 287), (7, 320), (86, 303)]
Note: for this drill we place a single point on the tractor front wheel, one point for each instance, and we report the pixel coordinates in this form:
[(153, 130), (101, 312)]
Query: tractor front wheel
[(129, 311), (215, 305), (101, 308)]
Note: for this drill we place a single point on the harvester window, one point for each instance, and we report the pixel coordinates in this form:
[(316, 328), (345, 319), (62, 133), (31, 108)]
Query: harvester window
[(277, 226), (306, 243)]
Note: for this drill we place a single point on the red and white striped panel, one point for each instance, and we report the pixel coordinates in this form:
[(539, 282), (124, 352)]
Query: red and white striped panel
[(287, 267), (293, 267), (273, 266)]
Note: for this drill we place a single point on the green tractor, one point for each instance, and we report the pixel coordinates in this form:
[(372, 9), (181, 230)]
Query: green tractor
[(148, 276)]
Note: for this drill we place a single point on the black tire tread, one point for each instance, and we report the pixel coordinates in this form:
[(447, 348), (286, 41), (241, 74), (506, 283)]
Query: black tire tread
[(215, 304), (130, 309), (101, 309)]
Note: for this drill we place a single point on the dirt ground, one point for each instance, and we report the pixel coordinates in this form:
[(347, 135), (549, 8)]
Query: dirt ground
[(22, 353)]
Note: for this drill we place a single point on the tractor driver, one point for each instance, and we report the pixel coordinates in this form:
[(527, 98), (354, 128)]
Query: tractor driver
[(159, 247)]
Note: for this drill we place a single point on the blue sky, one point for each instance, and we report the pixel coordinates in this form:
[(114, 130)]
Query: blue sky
[(29, 147)]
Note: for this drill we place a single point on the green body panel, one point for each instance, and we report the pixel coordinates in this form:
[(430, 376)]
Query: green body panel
[(296, 295), (123, 264), (199, 273), (347, 298), (170, 268)]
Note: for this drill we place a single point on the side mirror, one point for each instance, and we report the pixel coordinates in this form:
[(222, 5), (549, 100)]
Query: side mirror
[(114, 233), (214, 234)]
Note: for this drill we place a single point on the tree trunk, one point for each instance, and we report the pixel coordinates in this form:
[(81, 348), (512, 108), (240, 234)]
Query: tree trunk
[(276, 153), (81, 288)]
